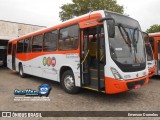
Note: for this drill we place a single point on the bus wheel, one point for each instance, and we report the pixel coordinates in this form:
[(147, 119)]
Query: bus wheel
[(68, 82), (21, 73)]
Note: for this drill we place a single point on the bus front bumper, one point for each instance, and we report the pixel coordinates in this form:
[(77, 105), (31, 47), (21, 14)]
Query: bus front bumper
[(114, 86)]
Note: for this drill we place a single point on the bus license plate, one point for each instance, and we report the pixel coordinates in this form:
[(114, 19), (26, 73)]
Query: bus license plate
[(137, 86)]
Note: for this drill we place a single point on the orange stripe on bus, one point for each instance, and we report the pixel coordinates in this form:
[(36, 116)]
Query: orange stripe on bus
[(30, 56)]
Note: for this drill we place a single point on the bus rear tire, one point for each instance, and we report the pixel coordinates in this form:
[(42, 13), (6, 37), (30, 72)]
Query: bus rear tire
[(21, 73), (68, 82)]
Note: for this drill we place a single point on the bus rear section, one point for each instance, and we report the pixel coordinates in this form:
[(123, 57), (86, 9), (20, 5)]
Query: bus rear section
[(11, 55), (154, 39), (101, 51)]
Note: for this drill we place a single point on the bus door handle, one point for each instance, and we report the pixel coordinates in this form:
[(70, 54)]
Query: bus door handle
[(85, 57)]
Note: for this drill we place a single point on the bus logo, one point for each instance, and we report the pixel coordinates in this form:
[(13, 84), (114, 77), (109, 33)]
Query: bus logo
[(49, 61), (53, 61), (44, 61)]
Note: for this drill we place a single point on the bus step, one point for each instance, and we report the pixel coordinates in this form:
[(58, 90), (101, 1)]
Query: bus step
[(95, 88), (86, 80), (94, 74), (94, 84), (85, 72), (94, 78), (91, 69)]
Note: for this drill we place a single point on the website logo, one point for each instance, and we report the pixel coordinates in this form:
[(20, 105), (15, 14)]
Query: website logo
[(43, 90)]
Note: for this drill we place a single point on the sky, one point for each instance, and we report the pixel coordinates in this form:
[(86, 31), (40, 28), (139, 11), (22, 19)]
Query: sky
[(46, 12)]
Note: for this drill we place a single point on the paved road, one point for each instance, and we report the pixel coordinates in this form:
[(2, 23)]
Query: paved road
[(147, 98)]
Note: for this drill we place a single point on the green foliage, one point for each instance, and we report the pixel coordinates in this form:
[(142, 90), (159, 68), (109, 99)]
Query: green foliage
[(154, 28), (80, 7)]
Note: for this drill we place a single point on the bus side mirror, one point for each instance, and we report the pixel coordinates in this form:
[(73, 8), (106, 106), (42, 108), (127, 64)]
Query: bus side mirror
[(111, 26)]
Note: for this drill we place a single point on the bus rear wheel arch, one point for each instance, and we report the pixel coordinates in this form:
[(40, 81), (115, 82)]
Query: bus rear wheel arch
[(68, 82)]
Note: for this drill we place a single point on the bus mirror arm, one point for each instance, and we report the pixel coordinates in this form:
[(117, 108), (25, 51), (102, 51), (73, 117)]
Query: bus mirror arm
[(111, 26)]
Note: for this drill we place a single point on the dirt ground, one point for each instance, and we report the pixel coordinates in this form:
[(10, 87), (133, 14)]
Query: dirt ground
[(146, 98)]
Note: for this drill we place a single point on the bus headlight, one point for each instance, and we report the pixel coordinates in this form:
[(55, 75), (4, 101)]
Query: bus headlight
[(116, 74)]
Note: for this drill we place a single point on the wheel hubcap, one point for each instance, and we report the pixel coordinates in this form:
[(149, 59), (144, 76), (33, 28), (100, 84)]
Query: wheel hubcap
[(69, 82)]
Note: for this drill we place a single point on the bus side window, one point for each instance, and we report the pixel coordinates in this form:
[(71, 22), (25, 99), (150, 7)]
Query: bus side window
[(50, 41), (37, 43), (27, 47), (20, 46), (68, 38)]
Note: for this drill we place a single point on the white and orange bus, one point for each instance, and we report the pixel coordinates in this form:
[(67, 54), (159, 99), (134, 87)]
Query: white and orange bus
[(150, 56), (154, 39), (113, 61)]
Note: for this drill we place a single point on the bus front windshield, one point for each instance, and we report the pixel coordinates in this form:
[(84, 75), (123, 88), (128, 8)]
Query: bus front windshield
[(127, 48)]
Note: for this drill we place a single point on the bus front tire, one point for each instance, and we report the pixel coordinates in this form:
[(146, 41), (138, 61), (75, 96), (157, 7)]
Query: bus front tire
[(68, 82), (21, 73)]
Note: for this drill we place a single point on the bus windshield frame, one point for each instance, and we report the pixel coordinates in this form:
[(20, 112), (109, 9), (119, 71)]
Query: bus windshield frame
[(127, 48)]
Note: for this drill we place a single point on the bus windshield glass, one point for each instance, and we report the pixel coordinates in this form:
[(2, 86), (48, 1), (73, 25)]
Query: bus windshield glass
[(127, 47)]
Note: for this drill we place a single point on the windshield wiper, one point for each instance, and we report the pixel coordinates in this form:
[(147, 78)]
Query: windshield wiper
[(127, 40), (135, 40)]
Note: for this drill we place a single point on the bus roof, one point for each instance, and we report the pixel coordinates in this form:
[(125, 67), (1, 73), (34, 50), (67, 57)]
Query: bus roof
[(91, 15), (85, 17), (157, 34)]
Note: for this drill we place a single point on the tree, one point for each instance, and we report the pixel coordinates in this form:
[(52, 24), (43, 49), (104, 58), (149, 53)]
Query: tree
[(154, 28), (80, 7)]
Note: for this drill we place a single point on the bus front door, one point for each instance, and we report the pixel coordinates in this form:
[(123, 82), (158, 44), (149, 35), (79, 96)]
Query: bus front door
[(92, 65), (158, 65), (14, 57)]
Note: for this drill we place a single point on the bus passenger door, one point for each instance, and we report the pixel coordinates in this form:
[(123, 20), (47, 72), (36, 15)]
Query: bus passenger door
[(92, 67), (158, 61), (84, 57), (14, 57)]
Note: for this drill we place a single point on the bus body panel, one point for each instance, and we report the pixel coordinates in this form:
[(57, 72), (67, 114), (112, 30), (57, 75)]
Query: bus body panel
[(152, 70), (49, 64), (9, 61), (117, 86), (155, 39), (110, 63)]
